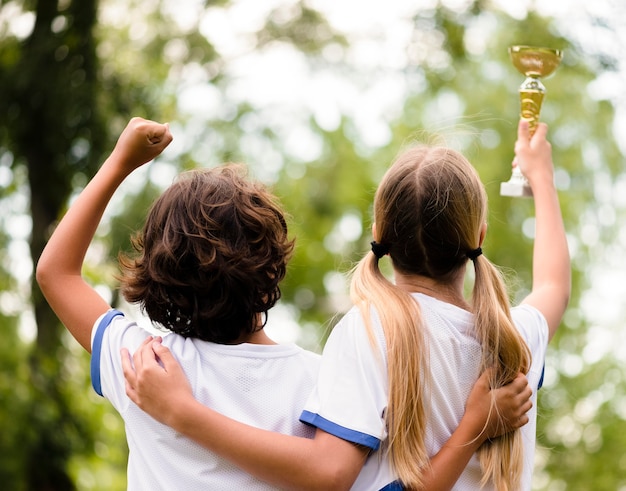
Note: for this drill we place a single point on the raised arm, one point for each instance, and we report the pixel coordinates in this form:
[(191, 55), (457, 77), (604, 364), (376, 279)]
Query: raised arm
[(74, 301), (157, 384), (551, 263)]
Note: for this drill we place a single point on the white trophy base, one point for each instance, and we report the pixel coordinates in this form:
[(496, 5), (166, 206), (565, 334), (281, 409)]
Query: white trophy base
[(516, 188)]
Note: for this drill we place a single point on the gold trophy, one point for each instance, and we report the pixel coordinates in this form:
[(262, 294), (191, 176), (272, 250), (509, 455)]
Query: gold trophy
[(534, 63)]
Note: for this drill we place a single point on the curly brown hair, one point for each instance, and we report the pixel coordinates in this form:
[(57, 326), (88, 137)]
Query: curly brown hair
[(211, 256)]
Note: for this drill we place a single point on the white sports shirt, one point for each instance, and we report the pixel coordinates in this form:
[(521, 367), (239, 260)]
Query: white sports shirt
[(262, 385), (350, 398)]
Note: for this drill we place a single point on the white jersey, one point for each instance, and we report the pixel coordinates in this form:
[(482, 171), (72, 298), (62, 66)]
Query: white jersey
[(351, 395), (265, 386)]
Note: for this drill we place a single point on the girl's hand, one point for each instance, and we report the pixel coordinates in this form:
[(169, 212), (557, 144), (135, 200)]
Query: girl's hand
[(155, 381), (533, 154), (511, 402), (140, 142)]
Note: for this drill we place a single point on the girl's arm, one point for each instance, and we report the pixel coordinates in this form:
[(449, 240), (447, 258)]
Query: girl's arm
[(157, 384), (551, 263), (59, 276)]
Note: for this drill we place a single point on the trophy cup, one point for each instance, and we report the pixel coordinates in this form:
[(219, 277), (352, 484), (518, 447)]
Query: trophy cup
[(534, 63)]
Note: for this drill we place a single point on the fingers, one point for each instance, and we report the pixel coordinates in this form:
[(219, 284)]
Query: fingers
[(127, 367), (519, 421), (520, 382), (131, 365), (139, 358), (170, 364), (134, 368), (523, 130), (159, 134), (523, 133), (513, 401), (522, 391), (151, 136), (525, 392), (522, 400), (541, 132)]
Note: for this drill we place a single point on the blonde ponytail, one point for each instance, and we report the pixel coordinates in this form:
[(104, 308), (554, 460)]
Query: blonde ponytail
[(400, 318), (501, 459)]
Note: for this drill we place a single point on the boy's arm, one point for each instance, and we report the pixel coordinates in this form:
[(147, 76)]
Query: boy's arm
[(58, 273), (551, 263), (158, 385), (480, 422)]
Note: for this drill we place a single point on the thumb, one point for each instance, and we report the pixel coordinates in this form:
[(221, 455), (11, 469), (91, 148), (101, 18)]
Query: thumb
[(487, 377), (159, 134), (170, 364)]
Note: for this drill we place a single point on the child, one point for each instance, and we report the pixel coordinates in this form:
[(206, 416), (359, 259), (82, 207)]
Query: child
[(398, 368), (212, 254)]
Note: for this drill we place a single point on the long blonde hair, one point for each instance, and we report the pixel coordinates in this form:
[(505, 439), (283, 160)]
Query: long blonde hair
[(428, 210)]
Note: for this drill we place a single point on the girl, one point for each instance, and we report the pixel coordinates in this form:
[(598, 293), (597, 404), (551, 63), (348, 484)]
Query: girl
[(398, 368)]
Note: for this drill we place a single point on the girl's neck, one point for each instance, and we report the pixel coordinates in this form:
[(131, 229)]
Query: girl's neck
[(449, 292)]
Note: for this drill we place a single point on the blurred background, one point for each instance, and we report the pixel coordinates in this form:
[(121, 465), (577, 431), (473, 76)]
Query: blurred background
[(317, 97)]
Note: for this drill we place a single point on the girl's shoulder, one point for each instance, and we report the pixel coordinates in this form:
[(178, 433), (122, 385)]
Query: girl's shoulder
[(531, 324)]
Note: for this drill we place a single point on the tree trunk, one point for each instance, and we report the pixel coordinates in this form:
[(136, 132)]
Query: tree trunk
[(53, 107)]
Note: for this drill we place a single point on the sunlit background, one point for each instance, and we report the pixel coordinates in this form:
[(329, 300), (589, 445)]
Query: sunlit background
[(317, 97)]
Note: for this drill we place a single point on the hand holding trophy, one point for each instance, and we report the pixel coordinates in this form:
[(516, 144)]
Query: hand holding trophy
[(534, 63)]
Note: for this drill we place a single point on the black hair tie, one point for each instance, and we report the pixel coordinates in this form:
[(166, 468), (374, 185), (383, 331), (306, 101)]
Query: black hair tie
[(379, 249), (474, 254)]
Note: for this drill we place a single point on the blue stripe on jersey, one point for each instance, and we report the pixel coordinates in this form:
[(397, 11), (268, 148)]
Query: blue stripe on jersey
[(393, 486), (543, 372), (340, 431), (97, 348)]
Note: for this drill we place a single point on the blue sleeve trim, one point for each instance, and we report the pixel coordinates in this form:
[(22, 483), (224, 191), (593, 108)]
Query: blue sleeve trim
[(340, 431), (97, 348), (393, 486), (543, 372)]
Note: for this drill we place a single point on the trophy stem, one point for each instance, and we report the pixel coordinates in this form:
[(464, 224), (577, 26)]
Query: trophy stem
[(531, 94), (533, 62)]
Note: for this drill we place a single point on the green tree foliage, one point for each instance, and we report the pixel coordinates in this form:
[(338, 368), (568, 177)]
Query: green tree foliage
[(471, 102), (71, 82), (56, 96), (52, 128)]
